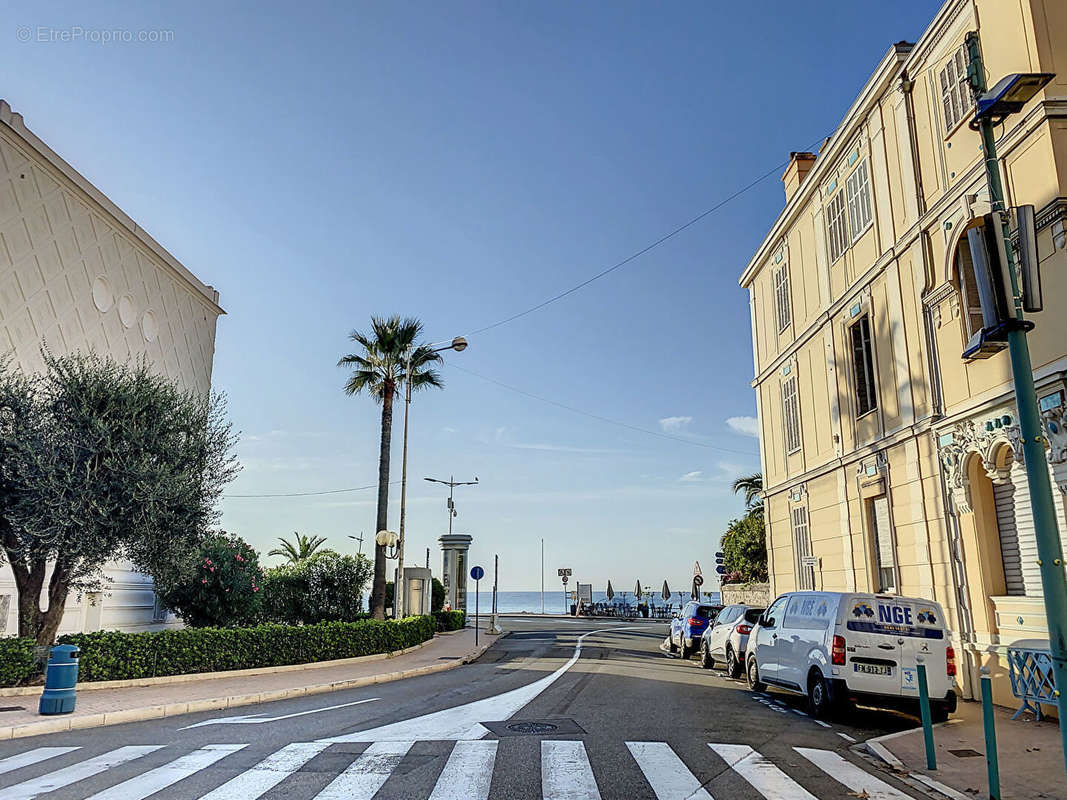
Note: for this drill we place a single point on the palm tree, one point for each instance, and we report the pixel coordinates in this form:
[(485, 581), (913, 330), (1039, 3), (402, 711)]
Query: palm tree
[(380, 371), (750, 486), (300, 548)]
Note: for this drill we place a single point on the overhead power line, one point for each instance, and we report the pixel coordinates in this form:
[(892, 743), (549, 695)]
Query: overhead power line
[(306, 494), (634, 256), (608, 420)]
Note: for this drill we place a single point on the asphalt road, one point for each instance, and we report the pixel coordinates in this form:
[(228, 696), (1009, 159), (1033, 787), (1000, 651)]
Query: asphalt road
[(532, 718)]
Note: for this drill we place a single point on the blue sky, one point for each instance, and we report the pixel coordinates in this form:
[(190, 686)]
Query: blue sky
[(461, 162)]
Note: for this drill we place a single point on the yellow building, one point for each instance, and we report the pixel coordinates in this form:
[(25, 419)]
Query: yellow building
[(891, 464)]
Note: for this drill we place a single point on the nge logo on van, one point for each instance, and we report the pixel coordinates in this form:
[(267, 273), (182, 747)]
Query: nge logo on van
[(894, 618)]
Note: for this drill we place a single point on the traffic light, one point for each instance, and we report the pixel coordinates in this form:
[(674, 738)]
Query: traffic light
[(990, 266)]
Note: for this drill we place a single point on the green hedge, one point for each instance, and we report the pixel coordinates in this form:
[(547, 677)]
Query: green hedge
[(18, 661), (450, 620), (113, 655)]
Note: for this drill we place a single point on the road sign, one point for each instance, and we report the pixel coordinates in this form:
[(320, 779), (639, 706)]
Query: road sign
[(721, 569), (698, 580), (477, 573), (565, 579), (564, 572), (809, 561), (696, 568)]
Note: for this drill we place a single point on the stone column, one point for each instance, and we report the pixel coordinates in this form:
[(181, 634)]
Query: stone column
[(454, 547)]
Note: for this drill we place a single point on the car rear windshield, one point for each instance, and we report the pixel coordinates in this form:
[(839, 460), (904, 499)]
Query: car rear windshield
[(707, 612), (752, 615)]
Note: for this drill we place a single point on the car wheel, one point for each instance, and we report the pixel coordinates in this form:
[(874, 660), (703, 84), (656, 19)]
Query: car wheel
[(819, 702), (686, 652), (754, 683), (733, 667), (706, 661), (670, 642), (939, 712)]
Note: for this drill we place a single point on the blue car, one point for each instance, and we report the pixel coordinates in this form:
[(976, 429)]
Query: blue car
[(689, 625)]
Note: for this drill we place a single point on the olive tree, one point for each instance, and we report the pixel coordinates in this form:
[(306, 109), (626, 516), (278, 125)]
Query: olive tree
[(102, 461)]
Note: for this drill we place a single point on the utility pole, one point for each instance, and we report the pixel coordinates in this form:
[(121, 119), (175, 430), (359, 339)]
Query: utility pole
[(452, 483), (1049, 549), (542, 574), (358, 539)]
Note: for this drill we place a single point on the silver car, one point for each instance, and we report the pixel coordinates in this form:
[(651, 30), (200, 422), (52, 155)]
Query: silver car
[(727, 639)]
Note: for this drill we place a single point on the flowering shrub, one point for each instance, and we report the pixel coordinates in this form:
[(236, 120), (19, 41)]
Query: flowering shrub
[(224, 586), (326, 586)]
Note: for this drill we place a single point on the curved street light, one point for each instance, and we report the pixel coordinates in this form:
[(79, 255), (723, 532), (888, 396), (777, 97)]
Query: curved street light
[(459, 344)]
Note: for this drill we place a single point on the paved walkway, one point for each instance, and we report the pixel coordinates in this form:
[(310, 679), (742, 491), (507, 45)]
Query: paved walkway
[(1030, 755), (112, 706)]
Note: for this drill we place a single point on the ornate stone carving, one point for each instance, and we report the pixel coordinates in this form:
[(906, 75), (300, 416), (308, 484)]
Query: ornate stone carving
[(1054, 422), (982, 440)]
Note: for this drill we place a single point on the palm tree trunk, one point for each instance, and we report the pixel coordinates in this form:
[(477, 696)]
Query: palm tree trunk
[(377, 594)]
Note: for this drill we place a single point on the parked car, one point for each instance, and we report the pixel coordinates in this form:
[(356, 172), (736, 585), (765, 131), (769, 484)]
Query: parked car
[(688, 625), (727, 639), (842, 647)]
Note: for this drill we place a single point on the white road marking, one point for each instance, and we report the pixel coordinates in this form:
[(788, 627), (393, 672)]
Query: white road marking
[(268, 773), (76, 772), (820, 722), (766, 778), (565, 771), (846, 736), (468, 772), (365, 776), (32, 757), (798, 711), (257, 719), (464, 722), (666, 773), (158, 779), (856, 780)]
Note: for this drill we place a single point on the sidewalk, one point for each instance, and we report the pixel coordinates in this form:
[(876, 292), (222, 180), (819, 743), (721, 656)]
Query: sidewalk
[(1030, 755), (130, 701)]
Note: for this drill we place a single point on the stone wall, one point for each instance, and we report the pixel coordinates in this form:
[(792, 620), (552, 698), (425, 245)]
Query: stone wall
[(751, 594)]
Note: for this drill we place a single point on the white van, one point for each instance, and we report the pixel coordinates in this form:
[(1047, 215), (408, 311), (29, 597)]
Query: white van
[(842, 647)]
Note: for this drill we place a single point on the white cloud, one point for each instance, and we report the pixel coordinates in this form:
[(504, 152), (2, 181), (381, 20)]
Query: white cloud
[(747, 426), (674, 424), (695, 475)]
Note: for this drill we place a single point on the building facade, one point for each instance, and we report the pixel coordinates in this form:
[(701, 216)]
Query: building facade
[(76, 273), (890, 463)]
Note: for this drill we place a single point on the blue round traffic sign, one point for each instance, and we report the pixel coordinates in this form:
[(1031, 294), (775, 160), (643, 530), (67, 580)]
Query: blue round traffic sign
[(477, 573)]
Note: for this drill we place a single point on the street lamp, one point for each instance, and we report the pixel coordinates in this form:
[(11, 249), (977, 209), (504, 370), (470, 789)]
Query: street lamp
[(459, 344), (1009, 96), (452, 483)]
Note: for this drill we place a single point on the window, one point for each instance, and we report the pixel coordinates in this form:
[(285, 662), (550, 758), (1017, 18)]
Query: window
[(970, 302), (858, 187), (956, 98), (863, 367), (882, 535), (791, 415), (836, 227), (802, 549), (782, 309)]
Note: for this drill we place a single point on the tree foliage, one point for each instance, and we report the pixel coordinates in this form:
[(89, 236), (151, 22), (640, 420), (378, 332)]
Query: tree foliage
[(325, 587), (102, 461), (744, 549), (300, 548), (437, 597), (379, 369), (750, 486), (221, 588)]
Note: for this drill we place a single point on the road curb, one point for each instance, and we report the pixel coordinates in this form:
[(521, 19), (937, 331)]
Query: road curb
[(917, 780), (234, 701)]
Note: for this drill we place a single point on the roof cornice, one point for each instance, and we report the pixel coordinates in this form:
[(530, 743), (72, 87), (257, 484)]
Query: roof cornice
[(887, 69)]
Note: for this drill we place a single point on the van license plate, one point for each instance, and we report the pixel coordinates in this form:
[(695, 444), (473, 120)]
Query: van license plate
[(873, 669)]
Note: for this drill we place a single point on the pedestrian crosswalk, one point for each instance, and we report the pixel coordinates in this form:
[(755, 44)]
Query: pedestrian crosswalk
[(462, 770)]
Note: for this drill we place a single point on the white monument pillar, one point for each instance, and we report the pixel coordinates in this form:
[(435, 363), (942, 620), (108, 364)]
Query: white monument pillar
[(454, 547)]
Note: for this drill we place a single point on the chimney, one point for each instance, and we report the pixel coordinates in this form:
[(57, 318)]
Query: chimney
[(800, 165)]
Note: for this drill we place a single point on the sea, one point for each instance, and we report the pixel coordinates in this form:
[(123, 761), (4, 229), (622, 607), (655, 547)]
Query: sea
[(558, 603)]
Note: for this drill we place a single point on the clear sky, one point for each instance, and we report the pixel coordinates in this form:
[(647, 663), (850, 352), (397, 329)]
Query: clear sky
[(461, 162)]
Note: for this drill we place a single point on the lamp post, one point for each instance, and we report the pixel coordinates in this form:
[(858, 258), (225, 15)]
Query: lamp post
[(459, 344), (452, 483), (1008, 97)]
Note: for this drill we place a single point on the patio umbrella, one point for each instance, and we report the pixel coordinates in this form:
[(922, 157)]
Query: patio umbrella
[(666, 593), (610, 592), (637, 590)]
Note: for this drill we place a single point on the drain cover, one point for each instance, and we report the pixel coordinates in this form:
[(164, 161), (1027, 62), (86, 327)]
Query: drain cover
[(532, 727), (966, 753)]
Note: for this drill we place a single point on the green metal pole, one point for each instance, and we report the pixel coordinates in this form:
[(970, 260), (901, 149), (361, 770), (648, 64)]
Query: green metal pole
[(1049, 548), (928, 723), (988, 721)]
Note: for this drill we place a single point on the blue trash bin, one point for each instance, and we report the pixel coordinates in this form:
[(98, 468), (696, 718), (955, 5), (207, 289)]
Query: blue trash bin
[(60, 678)]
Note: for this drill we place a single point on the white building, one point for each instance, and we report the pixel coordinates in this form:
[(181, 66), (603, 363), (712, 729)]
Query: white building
[(78, 274)]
